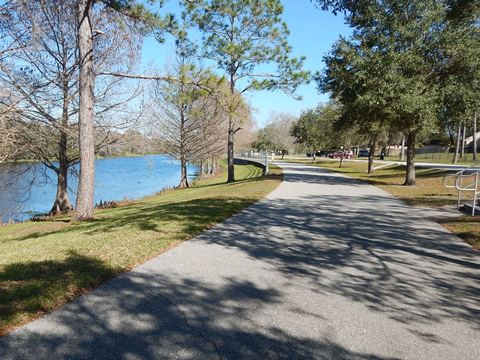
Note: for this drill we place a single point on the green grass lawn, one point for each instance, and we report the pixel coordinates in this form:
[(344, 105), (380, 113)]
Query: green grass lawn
[(45, 264), (428, 192)]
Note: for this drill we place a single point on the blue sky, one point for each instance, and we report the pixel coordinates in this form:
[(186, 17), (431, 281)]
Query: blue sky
[(312, 33)]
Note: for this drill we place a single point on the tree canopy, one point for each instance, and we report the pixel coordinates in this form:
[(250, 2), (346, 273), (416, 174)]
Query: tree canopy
[(388, 74), (245, 38)]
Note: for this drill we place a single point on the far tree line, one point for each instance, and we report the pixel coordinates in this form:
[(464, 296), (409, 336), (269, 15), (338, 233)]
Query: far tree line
[(322, 130)]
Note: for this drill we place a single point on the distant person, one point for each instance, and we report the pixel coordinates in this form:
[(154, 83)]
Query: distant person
[(382, 156)]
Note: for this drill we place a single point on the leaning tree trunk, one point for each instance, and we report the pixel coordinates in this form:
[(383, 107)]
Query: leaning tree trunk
[(475, 137), (410, 168), (371, 155), (62, 202), (464, 130), (457, 145), (86, 182)]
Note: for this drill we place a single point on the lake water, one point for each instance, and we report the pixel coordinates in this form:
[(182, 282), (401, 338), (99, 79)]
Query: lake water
[(28, 190)]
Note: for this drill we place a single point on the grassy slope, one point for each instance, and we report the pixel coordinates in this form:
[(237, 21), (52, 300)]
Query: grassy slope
[(45, 264), (429, 191)]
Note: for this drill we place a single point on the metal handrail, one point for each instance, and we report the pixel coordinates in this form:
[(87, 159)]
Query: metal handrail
[(459, 179), (455, 176), (445, 181), (459, 176), (258, 157)]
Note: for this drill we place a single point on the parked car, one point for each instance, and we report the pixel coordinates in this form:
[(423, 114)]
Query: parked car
[(336, 154), (348, 154), (323, 153), (363, 153), (339, 154)]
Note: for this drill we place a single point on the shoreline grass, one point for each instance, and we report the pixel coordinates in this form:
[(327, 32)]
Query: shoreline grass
[(45, 264), (429, 192)]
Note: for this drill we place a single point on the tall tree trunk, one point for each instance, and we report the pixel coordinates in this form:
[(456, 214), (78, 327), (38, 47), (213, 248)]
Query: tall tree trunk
[(231, 133), (402, 154), (230, 163), (475, 137), (62, 202), (205, 169), (371, 155), (183, 174), (464, 130), (183, 159), (86, 182), (410, 168), (212, 168), (457, 145)]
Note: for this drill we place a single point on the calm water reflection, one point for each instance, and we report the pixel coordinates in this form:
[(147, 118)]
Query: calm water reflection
[(27, 190)]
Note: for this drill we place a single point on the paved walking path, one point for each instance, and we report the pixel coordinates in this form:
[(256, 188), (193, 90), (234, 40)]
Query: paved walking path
[(324, 268)]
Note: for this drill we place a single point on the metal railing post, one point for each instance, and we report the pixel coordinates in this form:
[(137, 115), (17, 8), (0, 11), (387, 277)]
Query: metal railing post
[(266, 162), (459, 192), (475, 195)]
